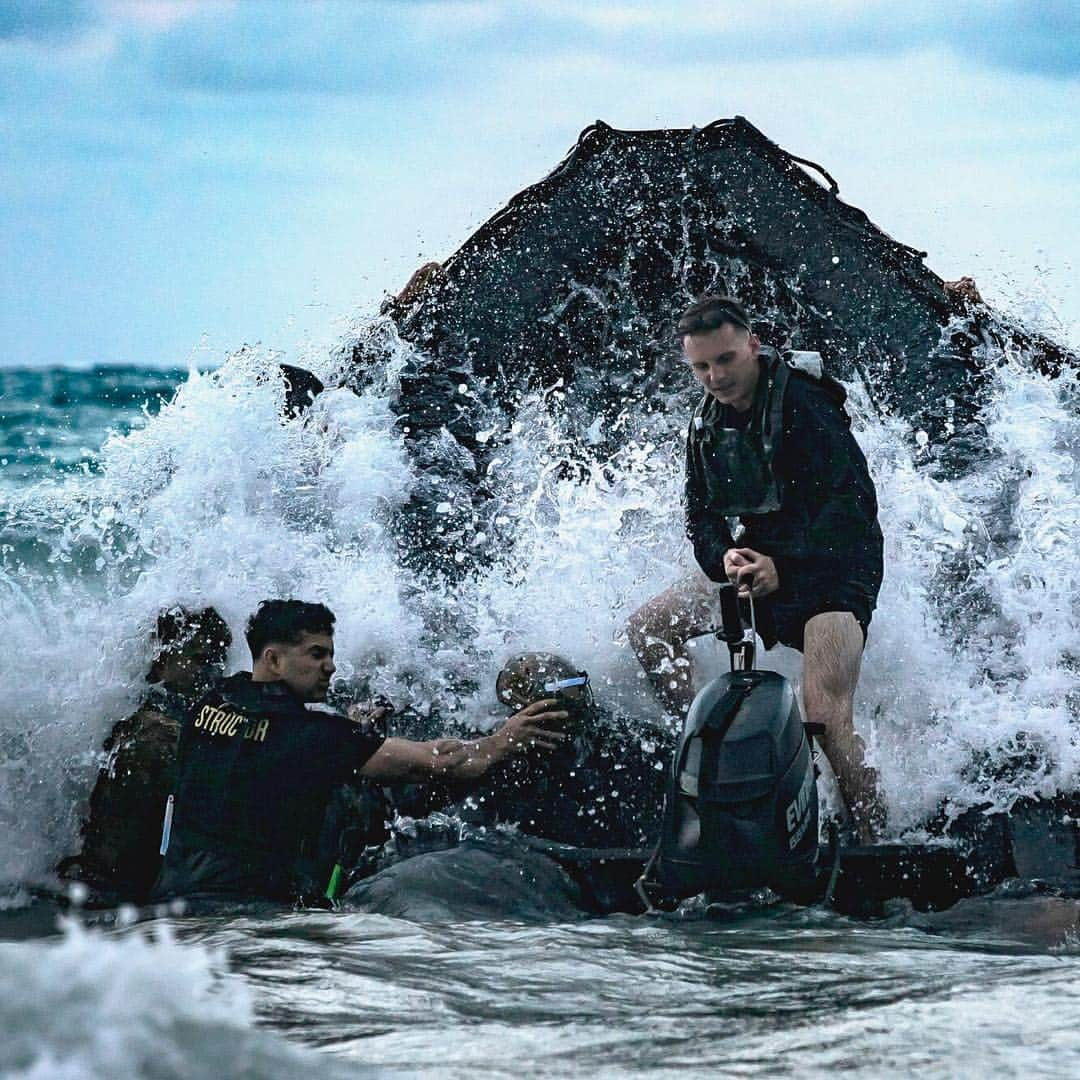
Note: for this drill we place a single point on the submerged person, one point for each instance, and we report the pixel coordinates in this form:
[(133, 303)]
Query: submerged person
[(122, 833), (257, 767), (581, 816), (771, 445), (603, 788)]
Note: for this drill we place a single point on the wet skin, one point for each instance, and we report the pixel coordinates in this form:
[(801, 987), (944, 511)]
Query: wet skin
[(306, 667), (725, 362)]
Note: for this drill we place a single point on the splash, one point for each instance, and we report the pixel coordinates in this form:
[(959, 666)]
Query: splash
[(968, 690), (969, 686), (94, 1004)]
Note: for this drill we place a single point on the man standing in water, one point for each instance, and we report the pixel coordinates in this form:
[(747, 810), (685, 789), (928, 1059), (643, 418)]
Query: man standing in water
[(257, 768), (771, 445)]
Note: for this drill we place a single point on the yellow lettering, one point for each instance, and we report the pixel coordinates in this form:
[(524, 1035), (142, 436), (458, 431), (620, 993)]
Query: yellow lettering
[(217, 721)]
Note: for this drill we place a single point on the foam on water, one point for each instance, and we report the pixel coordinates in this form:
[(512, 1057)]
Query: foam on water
[(967, 677), (95, 1004)]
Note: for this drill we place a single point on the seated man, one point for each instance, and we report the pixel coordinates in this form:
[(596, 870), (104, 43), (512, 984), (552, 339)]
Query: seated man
[(122, 835), (771, 445), (603, 788), (257, 768)]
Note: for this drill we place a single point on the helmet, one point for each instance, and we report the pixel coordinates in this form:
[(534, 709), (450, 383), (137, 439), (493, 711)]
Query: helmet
[(533, 676)]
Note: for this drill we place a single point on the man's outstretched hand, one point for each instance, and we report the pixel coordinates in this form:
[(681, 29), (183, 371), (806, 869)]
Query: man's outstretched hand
[(534, 727), (755, 574), (537, 725)]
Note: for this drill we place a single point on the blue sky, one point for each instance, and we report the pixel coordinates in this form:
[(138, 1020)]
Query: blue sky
[(183, 176)]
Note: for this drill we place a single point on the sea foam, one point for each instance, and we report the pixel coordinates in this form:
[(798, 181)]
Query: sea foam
[(968, 687), (93, 1004)]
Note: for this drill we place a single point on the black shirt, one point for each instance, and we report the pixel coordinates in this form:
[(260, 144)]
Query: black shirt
[(256, 771)]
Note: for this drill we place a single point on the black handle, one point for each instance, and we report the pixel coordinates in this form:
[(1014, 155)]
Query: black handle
[(730, 618)]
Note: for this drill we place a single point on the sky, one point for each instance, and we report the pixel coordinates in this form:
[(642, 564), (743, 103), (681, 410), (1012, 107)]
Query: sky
[(181, 177)]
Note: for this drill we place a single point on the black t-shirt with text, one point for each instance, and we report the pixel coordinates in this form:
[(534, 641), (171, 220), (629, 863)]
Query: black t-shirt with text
[(256, 771)]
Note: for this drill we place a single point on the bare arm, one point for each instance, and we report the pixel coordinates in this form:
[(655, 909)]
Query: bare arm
[(454, 759)]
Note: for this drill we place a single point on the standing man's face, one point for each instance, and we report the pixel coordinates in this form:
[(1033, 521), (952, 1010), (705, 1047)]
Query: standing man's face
[(306, 667), (725, 362)]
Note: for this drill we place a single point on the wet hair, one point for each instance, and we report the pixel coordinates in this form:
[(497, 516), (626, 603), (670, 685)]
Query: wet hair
[(286, 622), (710, 313), (177, 626)]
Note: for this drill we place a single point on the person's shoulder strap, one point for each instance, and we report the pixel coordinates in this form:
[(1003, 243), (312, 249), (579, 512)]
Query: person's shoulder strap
[(772, 419), (810, 368)]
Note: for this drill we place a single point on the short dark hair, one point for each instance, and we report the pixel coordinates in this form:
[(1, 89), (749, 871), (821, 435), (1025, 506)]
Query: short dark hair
[(285, 622), (710, 313)]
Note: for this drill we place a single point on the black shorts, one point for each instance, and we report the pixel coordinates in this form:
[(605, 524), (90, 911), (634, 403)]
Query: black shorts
[(782, 618)]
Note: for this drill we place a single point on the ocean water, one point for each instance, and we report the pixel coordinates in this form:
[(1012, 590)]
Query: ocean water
[(122, 491), (53, 421)]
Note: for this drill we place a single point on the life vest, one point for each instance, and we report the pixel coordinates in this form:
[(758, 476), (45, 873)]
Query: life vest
[(733, 467), (256, 770)]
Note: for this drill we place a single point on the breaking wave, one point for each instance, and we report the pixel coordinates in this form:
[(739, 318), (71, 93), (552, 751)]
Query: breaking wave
[(968, 692)]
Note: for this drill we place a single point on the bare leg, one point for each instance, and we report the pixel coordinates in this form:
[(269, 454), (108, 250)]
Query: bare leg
[(658, 633), (832, 655)]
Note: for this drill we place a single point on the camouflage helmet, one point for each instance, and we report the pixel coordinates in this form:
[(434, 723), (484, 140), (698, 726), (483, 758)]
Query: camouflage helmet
[(530, 677)]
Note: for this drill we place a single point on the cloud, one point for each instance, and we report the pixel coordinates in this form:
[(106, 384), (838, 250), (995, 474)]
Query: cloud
[(45, 21), (162, 14), (277, 48), (381, 48), (1041, 39), (372, 49), (1015, 35), (384, 48)]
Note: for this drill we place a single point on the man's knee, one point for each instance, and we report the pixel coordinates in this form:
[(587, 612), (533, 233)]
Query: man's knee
[(671, 617)]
